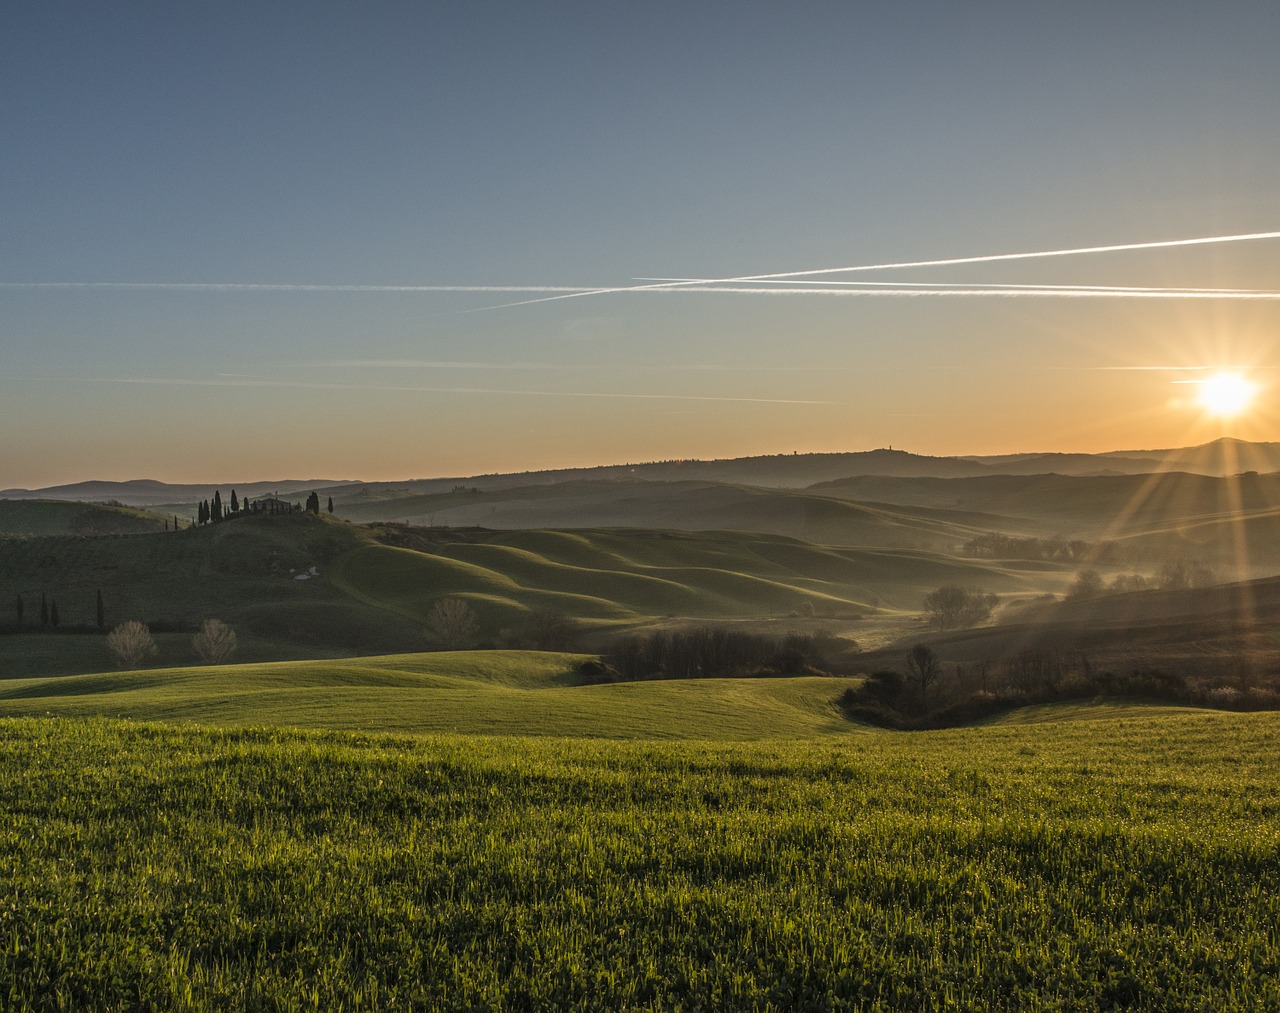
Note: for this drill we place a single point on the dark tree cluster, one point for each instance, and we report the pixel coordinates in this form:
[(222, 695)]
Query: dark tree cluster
[(953, 607), (932, 694), (714, 652), (213, 510), (1055, 550)]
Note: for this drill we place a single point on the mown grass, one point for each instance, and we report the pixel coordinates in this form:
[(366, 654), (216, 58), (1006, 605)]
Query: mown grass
[(476, 692), (1120, 864)]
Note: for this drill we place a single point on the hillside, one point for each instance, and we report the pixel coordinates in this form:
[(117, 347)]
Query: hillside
[(1225, 634), (476, 692), (54, 517), (687, 506), (1104, 506), (299, 586)]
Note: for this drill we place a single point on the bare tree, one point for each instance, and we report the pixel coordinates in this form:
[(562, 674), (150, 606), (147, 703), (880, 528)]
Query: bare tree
[(453, 623), (953, 607), (925, 668), (215, 642), (131, 643)]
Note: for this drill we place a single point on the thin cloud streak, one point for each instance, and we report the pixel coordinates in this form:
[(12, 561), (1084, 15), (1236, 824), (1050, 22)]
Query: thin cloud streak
[(235, 286), (305, 385), (429, 364), (969, 293), (994, 286), (951, 261)]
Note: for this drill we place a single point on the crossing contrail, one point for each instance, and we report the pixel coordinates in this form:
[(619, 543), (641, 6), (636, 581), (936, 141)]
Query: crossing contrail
[(789, 282), (945, 262)]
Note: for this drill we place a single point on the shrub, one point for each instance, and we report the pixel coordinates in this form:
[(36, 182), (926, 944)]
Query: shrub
[(131, 643), (215, 641)]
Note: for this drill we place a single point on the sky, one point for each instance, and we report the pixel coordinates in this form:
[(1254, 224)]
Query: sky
[(253, 241)]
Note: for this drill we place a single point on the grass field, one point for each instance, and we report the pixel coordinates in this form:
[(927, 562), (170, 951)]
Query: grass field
[(1119, 863), (478, 692)]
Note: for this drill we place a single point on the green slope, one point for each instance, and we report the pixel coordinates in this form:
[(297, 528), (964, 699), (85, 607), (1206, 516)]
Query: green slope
[(478, 692)]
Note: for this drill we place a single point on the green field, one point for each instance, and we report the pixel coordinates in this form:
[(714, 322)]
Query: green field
[(1118, 863), (478, 692)]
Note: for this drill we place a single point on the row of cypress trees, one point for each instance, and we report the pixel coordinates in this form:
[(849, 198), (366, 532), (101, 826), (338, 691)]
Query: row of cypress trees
[(49, 615), (210, 511)]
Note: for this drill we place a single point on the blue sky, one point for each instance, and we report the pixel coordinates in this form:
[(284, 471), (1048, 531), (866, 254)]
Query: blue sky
[(589, 145)]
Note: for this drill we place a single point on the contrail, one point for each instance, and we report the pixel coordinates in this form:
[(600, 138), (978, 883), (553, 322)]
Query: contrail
[(965, 292), (998, 286), (947, 262), (305, 385), (232, 286)]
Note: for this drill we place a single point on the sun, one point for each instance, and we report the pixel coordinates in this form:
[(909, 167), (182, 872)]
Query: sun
[(1226, 394)]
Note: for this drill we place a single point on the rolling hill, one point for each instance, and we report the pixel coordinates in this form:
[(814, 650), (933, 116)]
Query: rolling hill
[(303, 586), (475, 692), (65, 517), (1227, 633), (777, 471)]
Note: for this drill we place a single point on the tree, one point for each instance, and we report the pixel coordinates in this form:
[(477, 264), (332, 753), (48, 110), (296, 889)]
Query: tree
[(925, 668), (1179, 573), (453, 623), (330, 504), (102, 615), (235, 503), (953, 607), (215, 642), (217, 506), (18, 608), (313, 503), (1088, 584), (131, 643)]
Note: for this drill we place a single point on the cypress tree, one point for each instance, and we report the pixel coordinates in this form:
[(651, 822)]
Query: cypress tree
[(235, 503), (217, 506), (102, 615)]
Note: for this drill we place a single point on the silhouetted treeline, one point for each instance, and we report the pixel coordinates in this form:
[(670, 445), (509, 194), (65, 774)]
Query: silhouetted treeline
[(211, 511), (959, 694), (711, 652), (1057, 550)]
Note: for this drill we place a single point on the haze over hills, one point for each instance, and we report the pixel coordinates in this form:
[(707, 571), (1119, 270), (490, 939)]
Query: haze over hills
[(782, 471)]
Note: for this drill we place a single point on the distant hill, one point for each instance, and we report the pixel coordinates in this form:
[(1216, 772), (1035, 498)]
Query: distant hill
[(148, 492), (53, 517), (777, 471), (1078, 506), (1221, 457), (1221, 632)]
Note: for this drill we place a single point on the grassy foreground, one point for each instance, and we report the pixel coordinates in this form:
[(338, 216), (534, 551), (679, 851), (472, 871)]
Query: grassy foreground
[(1125, 863)]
